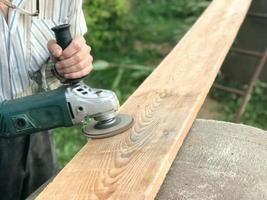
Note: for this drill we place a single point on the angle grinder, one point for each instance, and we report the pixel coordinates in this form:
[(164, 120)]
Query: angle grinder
[(66, 106)]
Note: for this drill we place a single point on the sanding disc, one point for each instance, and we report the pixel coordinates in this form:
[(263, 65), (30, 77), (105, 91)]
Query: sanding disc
[(95, 130)]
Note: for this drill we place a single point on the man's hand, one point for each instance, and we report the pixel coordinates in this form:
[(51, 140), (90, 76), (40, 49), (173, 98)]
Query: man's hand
[(75, 61)]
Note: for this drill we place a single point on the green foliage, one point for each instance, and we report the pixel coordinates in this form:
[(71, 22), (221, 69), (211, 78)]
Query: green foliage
[(256, 111), (69, 141), (107, 23), (171, 8)]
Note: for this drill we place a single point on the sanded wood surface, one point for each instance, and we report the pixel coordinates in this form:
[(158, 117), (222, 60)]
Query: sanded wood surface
[(134, 164)]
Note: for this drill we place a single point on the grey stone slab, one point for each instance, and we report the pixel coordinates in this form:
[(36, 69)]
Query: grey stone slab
[(219, 161)]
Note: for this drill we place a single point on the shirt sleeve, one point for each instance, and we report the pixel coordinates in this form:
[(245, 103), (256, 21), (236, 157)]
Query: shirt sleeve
[(76, 18)]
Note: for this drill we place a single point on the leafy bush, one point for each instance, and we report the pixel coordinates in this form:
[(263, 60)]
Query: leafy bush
[(107, 23), (256, 110), (172, 8)]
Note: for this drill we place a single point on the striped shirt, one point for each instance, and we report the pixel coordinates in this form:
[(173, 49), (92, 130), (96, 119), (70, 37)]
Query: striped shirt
[(23, 43)]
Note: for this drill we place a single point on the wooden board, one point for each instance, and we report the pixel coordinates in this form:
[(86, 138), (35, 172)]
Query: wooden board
[(134, 164)]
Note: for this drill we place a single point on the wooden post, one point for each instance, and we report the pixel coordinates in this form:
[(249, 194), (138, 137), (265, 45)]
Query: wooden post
[(134, 164)]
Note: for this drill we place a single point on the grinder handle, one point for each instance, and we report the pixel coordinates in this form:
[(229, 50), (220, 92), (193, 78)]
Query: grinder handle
[(63, 37)]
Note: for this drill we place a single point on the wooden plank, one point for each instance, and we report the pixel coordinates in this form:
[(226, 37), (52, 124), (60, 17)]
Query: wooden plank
[(134, 164)]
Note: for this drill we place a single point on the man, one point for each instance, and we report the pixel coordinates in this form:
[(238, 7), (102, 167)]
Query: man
[(26, 43)]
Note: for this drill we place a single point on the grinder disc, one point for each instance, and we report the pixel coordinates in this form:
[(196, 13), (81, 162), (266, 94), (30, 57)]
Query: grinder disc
[(97, 130)]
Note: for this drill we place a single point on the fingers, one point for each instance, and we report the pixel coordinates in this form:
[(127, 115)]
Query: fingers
[(75, 46), (75, 59), (81, 65), (79, 74), (54, 48)]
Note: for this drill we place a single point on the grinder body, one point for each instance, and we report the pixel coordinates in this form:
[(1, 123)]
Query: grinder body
[(34, 113), (63, 107)]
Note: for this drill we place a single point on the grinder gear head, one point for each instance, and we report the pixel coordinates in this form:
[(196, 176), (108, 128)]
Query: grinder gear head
[(101, 105)]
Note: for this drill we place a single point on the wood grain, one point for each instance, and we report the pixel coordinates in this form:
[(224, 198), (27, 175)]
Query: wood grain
[(134, 164)]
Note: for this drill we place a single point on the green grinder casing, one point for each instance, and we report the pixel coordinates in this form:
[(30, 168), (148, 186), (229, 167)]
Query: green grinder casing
[(34, 113)]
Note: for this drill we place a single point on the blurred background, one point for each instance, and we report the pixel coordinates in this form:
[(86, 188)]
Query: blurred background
[(129, 38)]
